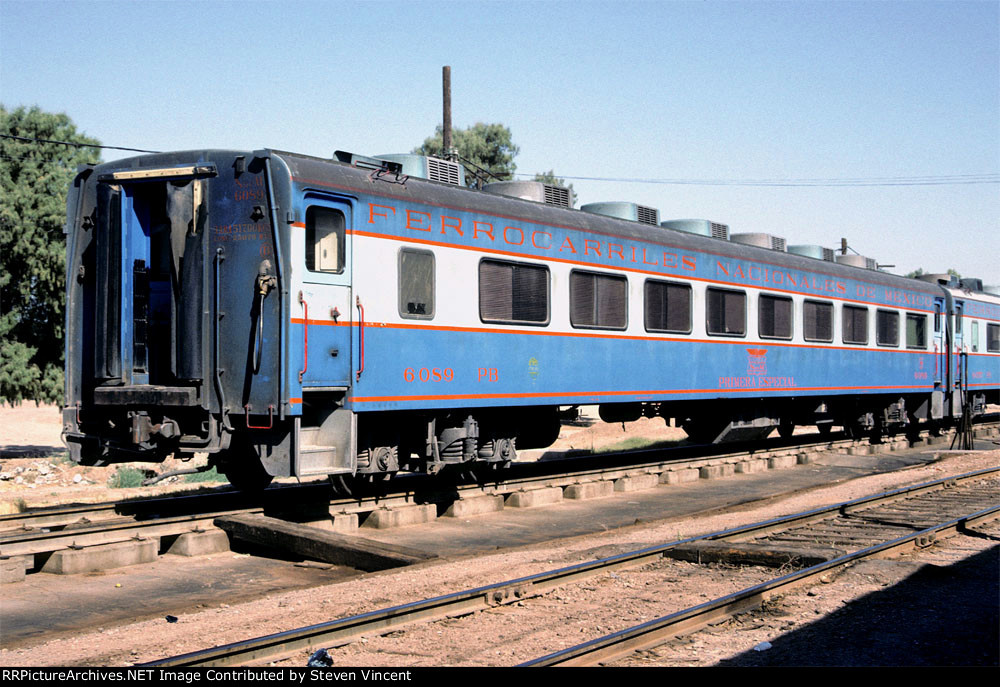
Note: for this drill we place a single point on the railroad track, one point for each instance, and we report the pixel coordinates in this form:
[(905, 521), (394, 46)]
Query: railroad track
[(885, 524), (31, 537)]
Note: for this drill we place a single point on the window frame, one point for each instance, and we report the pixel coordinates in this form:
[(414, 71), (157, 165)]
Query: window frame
[(878, 334), (805, 319), (645, 306), (399, 283), (515, 264), (597, 277), (916, 316), (708, 331), (995, 328), (843, 321), (310, 246), (791, 316)]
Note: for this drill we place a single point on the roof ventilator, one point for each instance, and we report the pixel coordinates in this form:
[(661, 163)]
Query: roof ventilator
[(813, 251), (760, 240), (624, 210), (702, 227), (426, 167), (857, 261), (536, 191)]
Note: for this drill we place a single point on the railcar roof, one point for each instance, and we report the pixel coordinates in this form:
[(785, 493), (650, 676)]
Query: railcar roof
[(347, 178)]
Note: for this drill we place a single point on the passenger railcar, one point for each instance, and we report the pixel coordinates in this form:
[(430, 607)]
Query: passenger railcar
[(291, 315)]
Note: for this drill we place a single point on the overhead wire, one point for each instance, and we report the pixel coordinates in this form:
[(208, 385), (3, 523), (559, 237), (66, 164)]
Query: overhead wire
[(936, 180), (830, 182)]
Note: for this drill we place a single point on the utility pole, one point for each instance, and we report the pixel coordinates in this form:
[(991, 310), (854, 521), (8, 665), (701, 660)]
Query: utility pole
[(449, 154)]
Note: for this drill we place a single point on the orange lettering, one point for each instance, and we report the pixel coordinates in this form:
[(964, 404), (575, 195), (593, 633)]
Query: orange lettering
[(457, 227), (372, 214), (513, 243), (476, 230), (543, 233), (410, 214)]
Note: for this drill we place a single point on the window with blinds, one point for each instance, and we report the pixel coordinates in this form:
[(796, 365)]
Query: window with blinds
[(817, 321), (667, 307), (887, 328), (597, 300), (855, 324), (774, 317), (513, 293), (726, 312)]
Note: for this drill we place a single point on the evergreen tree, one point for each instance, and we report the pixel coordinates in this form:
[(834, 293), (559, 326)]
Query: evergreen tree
[(34, 180), (488, 147)]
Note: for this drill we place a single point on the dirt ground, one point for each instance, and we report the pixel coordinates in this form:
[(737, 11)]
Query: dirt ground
[(35, 469), (814, 626)]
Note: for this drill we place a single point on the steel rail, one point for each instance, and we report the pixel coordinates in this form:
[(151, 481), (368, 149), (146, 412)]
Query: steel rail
[(467, 601), (33, 537), (655, 632), (111, 532), (107, 529)]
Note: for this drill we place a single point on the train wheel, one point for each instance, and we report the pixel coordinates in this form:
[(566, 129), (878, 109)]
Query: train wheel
[(785, 429), (242, 467), (824, 428)]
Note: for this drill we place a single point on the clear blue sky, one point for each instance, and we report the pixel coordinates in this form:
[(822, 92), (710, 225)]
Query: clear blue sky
[(692, 90)]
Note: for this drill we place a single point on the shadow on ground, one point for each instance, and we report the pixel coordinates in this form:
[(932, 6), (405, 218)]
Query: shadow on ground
[(938, 616), (30, 451)]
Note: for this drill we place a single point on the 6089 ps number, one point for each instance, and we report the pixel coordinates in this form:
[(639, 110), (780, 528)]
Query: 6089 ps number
[(429, 374)]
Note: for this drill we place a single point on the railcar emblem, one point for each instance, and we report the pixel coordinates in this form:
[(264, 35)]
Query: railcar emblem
[(757, 362)]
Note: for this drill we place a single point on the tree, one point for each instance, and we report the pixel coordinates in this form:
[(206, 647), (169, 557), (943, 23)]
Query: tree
[(487, 147), (34, 179), (920, 271), (550, 177)]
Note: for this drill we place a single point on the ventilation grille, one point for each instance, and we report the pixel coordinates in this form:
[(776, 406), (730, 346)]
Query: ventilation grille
[(720, 231), (557, 195), (647, 215), (760, 240), (444, 171), (828, 254)]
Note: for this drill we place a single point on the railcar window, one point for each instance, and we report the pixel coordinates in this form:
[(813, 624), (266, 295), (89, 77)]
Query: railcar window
[(855, 324), (324, 240), (774, 317), (817, 321), (916, 330), (727, 312), (975, 336), (597, 300), (668, 307), (416, 284), (993, 338), (887, 328), (513, 293)]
